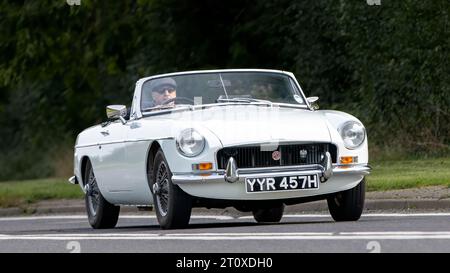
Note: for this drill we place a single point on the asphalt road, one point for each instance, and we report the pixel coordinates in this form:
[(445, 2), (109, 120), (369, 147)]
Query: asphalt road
[(376, 232)]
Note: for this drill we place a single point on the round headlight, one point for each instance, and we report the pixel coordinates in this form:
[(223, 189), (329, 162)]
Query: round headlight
[(353, 134), (190, 142)]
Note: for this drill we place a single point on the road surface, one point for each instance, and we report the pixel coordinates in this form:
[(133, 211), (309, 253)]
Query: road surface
[(375, 232)]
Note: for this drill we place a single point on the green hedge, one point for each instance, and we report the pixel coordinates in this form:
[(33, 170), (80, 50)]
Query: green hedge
[(60, 65)]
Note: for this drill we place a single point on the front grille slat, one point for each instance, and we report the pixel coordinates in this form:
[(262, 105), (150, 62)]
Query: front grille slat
[(255, 157)]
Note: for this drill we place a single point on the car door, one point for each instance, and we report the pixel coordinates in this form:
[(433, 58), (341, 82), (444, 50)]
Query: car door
[(110, 168), (138, 142)]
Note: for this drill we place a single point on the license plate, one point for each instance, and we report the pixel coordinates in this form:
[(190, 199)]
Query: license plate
[(282, 183)]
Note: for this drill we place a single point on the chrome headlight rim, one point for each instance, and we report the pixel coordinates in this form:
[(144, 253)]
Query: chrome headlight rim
[(200, 142), (343, 128)]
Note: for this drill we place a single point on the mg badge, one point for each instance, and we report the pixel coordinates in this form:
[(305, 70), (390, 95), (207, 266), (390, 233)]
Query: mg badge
[(303, 153), (276, 155)]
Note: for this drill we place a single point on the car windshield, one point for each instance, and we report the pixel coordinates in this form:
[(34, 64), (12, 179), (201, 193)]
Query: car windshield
[(220, 87)]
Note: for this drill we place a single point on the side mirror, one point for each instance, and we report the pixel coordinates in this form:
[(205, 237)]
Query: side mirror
[(114, 112), (313, 102)]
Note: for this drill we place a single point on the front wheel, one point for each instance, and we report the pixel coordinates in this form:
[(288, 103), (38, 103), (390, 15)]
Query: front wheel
[(173, 205), (101, 213), (348, 205)]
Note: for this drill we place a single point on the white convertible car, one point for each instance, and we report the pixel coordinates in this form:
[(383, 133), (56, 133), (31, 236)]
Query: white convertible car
[(242, 138)]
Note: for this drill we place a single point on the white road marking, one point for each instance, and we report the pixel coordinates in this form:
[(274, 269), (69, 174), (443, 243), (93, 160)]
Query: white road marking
[(389, 235), (29, 218), (254, 234), (226, 217), (216, 217), (357, 235), (221, 217), (26, 218), (438, 214), (397, 233), (406, 214)]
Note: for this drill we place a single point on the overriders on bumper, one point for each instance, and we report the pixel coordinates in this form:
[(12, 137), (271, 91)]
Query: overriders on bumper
[(334, 170)]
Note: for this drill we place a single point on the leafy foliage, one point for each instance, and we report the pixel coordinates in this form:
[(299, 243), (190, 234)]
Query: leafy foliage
[(60, 65)]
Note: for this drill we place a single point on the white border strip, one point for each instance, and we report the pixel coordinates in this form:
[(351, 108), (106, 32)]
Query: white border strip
[(226, 217)]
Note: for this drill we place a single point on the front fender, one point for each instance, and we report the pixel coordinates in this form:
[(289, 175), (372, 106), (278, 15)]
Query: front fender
[(179, 163), (335, 119)]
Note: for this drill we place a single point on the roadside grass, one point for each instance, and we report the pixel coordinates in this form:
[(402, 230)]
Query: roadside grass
[(21, 193), (386, 175), (403, 174)]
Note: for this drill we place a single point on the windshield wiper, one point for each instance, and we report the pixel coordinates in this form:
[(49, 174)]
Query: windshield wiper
[(249, 100)]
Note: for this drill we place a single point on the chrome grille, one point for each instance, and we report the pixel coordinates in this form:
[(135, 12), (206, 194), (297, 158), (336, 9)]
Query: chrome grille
[(254, 157)]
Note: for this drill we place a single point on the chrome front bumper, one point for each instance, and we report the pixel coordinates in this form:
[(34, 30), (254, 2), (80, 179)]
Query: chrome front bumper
[(324, 173)]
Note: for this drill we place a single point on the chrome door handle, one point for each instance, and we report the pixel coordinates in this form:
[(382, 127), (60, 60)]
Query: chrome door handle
[(105, 133)]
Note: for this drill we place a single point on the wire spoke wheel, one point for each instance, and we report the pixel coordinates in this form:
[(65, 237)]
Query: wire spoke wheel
[(172, 205), (101, 213), (162, 189), (93, 193)]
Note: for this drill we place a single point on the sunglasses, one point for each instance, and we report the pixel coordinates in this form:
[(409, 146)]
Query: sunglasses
[(163, 89)]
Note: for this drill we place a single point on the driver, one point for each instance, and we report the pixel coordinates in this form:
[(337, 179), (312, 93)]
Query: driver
[(163, 90)]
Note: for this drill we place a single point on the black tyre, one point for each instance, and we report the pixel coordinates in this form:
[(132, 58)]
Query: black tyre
[(172, 205), (101, 213), (269, 215), (348, 205)]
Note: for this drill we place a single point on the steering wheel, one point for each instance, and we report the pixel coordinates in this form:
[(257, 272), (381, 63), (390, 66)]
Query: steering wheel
[(189, 101)]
